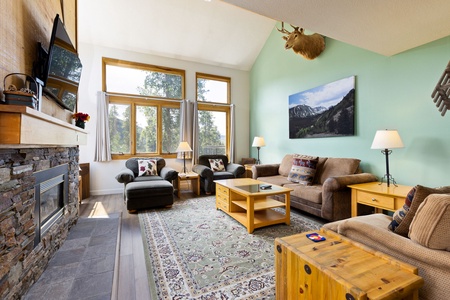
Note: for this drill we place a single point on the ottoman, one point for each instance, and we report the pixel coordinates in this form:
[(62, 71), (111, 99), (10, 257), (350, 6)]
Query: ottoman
[(148, 194)]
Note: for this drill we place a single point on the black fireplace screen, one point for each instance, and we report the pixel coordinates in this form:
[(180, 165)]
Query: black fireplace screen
[(51, 195)]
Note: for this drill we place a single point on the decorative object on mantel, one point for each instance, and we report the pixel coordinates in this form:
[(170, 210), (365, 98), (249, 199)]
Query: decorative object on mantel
[(81, 119), (441, 93), (385, 140), (308, 46), (26, 95)]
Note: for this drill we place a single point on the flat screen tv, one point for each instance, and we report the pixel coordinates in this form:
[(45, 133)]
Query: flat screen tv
[(61, 68)]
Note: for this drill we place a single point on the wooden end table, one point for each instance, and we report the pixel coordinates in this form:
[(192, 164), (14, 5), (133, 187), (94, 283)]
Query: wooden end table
[(379, 196), (194, 178), (245, 201), (339, 268)]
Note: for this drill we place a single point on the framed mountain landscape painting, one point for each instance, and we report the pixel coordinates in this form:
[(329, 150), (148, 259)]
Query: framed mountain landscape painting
[(323, 111)]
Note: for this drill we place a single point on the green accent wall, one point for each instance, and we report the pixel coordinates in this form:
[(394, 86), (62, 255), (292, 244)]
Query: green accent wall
[(391, 93)]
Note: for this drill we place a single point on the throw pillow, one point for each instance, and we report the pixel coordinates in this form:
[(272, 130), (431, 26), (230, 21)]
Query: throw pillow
[(421, 193), (400, 214), (216, 165), (147, 167), (303, 169), (430, 225)]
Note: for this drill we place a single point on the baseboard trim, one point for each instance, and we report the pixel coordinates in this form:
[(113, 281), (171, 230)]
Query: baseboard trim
[(106, 192)]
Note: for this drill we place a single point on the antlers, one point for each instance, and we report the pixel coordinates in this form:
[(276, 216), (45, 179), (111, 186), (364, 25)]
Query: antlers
[(284, 30)]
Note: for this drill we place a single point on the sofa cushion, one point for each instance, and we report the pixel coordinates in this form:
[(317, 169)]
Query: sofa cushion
[(216, 164), (311, 193), (338, 167), (285, 165), (147, 167), (303, 169), (430, 225), (400, 213), (421, 193)]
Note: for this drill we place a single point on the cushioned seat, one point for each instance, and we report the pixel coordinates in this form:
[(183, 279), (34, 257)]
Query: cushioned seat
[(144, 189), (148, 194)]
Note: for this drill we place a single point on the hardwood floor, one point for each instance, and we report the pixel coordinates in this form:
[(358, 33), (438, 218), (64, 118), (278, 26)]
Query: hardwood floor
[(130, 274)]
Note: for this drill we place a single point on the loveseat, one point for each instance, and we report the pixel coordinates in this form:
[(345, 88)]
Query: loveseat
[(423, 241), (208, 175), (326, 195)]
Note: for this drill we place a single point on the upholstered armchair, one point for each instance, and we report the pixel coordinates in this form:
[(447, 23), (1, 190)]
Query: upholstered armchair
[(131, 171), (222, 170)]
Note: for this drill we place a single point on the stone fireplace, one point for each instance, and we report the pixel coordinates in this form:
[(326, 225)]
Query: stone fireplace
[(30, 234)]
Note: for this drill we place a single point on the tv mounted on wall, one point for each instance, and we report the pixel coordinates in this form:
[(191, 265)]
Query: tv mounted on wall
[(59, 68)]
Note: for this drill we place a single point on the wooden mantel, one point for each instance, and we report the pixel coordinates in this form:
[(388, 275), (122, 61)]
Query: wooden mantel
[(24, 126)]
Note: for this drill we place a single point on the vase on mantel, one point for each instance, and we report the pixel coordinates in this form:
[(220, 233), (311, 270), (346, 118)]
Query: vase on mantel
[(80, 123)]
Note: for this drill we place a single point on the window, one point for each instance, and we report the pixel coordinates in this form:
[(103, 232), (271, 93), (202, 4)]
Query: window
[(213, 96), (144, 114)]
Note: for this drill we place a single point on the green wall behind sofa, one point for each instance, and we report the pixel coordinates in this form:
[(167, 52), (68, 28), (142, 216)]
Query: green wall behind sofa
[(391, 93)]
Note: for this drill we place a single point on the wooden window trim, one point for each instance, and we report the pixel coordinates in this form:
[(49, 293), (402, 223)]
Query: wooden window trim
[(217, 78)]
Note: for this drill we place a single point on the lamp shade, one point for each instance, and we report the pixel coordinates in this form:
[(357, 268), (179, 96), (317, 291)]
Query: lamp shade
[(258, 142), (387, 139), (183, 147)]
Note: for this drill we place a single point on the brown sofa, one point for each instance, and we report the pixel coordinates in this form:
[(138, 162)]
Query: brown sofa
[(328, 197)]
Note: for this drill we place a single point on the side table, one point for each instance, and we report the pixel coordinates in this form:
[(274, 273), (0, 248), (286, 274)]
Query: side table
[(194, 178), (379, 196)]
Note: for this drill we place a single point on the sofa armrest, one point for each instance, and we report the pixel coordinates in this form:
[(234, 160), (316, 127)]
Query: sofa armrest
[(168, 173), (125, 176), (203, 171), (336, 196), (237, 170), (265, 170), (341, 182)]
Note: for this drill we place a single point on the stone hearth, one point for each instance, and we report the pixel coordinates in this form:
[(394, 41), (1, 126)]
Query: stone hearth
[(22, 262)]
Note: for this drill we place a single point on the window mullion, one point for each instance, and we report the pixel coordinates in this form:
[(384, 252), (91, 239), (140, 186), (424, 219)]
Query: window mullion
[(133, 128)]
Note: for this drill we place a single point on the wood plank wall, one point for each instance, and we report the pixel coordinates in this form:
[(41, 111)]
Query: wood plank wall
[(24, 23)]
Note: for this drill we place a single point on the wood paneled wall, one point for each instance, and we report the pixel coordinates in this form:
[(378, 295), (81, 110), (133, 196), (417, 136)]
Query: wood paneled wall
[(24, 23)]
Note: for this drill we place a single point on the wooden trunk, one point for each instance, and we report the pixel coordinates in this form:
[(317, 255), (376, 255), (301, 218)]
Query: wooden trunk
[(338, 268)]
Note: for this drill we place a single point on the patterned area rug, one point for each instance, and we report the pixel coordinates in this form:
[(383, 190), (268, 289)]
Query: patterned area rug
[(194, 251)]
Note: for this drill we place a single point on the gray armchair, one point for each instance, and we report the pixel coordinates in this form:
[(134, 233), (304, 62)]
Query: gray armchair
[(130, 172), (144, 192), (207, 176)]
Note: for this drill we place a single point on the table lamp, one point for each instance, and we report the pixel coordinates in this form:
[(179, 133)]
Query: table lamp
[(184, 147), (385, 140), (258, 142)]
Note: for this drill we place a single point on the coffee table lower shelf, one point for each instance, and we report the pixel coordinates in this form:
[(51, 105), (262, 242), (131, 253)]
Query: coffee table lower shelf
[(261, 218)]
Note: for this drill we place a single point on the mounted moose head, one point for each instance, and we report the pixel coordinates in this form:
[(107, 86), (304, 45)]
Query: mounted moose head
[(308, 46)]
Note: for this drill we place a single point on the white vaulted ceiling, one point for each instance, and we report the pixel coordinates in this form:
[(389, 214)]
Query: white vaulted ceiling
[(231, 33)]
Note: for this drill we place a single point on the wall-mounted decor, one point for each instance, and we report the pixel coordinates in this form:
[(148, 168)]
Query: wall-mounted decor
[(441, 93), (308, 46), (324, 111)]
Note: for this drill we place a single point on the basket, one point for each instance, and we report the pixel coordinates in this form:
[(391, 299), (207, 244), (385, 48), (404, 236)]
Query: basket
[(25, 96)]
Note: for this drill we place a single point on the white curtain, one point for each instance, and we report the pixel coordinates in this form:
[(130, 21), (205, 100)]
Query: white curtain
[(232, 133), (102, 141), (186, 109)]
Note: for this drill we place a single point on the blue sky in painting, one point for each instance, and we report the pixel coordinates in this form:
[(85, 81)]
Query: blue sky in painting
[(325, 95)]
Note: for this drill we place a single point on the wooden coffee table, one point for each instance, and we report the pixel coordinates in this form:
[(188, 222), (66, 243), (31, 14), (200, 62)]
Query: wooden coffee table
[(245, 201), (339, 268)]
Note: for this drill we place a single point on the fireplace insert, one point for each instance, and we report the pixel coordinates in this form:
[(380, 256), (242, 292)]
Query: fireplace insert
[(51, 193)]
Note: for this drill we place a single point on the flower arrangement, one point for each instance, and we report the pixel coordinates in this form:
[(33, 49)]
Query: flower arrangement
[(79, 116)]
